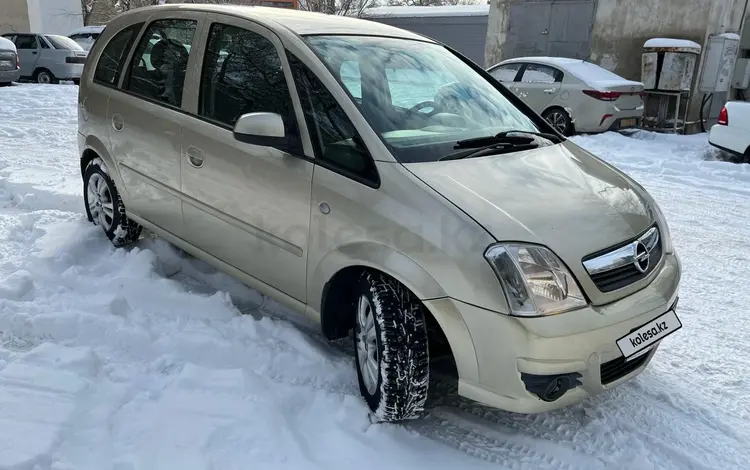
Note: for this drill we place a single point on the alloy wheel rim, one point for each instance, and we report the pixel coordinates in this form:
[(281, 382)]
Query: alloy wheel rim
[(44, 78), (558, 121), (367, 344), (99, 198)]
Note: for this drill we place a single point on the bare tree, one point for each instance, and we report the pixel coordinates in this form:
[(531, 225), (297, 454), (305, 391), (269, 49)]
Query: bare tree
[(337, 7), (87, 6)]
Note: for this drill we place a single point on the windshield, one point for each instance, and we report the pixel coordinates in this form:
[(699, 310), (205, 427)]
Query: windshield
[(419, 97), (61, 42)]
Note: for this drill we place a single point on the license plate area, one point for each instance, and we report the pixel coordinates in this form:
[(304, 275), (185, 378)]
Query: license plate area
[(645, 336), (630, 122), (5, 63)]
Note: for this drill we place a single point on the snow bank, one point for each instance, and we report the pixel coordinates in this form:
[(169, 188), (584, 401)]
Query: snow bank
[(147, 359)]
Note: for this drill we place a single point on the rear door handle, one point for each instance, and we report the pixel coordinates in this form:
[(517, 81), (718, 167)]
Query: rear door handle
[(550, 91), (194, 157), (118, 123)]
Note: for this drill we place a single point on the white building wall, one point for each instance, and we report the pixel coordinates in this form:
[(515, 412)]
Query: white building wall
[(55, 16)]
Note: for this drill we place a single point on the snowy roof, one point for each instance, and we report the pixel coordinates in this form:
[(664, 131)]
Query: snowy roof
[(670, 42), (87, 30), (730, 36), (7, 44), (448, 10), (587, 72)]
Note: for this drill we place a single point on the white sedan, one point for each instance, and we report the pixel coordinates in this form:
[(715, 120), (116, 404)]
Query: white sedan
[(572, 94), (732, 132)]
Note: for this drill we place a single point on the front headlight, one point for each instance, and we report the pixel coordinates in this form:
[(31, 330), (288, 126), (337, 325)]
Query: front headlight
[(534, 280)]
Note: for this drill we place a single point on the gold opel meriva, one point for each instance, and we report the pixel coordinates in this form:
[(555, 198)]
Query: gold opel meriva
[(385, 187)]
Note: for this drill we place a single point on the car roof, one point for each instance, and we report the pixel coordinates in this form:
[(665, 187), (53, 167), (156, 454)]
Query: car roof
[(299, 22), (7, 44)]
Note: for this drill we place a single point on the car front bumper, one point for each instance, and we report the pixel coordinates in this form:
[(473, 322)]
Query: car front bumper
[(10, 76), (499, 357)]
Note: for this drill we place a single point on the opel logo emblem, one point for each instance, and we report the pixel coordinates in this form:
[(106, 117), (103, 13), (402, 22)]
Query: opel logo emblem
[(642, 257)]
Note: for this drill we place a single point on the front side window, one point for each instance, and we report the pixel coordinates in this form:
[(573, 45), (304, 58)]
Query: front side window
[(26, 42), (113, 57), (242, 74), (160, 61), (337, 143), (419, 97)]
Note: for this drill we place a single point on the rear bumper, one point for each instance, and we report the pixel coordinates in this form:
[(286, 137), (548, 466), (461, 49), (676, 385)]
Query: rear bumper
[(730, 139), (596, 121), (502, 360), (10, 76), (68, 71)]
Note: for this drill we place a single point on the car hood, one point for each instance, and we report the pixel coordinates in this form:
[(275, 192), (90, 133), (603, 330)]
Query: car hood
[(560, 196)]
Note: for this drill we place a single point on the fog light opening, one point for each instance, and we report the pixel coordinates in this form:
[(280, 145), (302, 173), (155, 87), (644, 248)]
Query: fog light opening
[(550, 387)]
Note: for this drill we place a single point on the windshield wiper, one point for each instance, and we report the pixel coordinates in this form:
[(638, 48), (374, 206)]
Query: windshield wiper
[(504, 137), (499, 143), (492, 149)]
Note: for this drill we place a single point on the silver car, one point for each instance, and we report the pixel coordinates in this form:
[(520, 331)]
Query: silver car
[(385, 188), (48, 58), (10, 67), (572, 94)]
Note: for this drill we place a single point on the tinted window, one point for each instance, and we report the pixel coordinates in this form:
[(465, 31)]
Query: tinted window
[(506, 73), (114, 54), (535, 73), (26, 42), (337, 143), (242, 74), (61, 42), (160, 61)]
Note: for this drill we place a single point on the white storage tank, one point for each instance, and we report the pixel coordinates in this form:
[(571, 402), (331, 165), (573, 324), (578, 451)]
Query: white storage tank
[(668, 64)]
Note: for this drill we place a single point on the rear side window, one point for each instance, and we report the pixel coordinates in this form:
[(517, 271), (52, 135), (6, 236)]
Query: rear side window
[(337, 143), (536, 73), (506, 73), (242, 74), (113, 57), (160, 61), (26, 42)]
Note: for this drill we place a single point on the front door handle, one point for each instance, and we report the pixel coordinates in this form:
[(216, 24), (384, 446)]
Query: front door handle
[(194, 157), (118, 123), (550, 91)]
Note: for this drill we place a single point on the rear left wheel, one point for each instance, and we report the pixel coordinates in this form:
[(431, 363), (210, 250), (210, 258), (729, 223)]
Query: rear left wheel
[(390, 340), (559, 119), (104, 206)]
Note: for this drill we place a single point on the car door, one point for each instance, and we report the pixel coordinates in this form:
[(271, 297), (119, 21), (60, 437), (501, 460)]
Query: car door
[(538, 86), (146, 118), (28, 53), (246, 204)]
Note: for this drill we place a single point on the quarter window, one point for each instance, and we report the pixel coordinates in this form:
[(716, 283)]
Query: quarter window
[(160, 61), (336, 141), (242, 74), (112, 60)]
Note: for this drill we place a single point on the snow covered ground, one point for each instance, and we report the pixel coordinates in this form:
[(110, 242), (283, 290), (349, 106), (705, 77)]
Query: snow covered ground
[(141, 359)]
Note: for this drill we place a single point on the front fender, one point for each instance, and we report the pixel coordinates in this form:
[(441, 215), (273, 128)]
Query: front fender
[(376, 256)]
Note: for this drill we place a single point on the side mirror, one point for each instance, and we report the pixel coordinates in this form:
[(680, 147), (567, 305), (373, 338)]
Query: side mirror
[(253, 126), (266, 129)]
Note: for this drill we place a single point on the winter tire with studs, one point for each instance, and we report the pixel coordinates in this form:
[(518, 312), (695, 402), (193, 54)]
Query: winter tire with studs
[(104, 206), (390, 342)]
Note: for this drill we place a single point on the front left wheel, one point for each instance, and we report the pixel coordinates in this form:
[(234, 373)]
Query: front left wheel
[(104, 206), (390, 341)]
